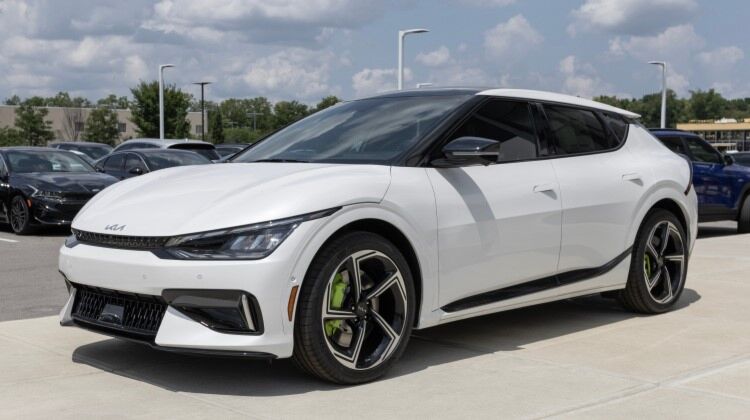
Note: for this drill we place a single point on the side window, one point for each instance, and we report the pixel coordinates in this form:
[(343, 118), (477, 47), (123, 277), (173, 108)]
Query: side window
[(674, 144), (702, 151), (618, 124), (3, 171), (577, 130), (114, 163), (133, 161), (507, 122)]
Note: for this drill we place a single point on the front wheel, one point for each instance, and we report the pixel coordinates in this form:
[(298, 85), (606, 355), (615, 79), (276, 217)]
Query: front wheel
[(658, 266), (356, 310), (743, 221), (20, 216)]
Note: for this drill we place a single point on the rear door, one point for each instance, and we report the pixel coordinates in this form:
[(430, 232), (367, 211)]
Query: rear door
[(4, 188), (499, 224), (712, 183), (600, 186), (134, 166)]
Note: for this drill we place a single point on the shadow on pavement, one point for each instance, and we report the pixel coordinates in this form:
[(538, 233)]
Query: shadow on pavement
[(712, 231), (47, 231), (501, 332)]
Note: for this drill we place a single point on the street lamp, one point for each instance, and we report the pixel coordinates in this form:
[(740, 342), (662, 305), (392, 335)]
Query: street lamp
[(161, 99), (203, 110), (401, 36), (663, 91)]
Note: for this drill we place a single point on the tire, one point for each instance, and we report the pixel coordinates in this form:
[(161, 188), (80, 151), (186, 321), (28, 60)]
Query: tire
[(19, 216), (743, 221), (330, 347), (657, 273)]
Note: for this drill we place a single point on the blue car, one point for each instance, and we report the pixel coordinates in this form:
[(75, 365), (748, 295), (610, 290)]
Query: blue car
[(723, 187)]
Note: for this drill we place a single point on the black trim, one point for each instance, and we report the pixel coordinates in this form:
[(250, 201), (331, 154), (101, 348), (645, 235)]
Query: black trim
[(535, 286)]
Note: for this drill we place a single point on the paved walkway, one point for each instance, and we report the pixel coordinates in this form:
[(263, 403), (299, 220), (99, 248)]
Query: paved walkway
[(581, 358)]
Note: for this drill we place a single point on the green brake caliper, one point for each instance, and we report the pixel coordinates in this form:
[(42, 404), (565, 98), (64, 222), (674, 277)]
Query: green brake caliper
[(338, 293), (647, 265)]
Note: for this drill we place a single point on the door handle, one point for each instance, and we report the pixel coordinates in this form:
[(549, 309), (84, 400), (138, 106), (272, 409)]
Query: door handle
[(632, 177), (544, 188)]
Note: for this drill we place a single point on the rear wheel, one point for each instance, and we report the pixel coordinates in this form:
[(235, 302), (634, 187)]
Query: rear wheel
[(356, 310), (743, 221), (658, 267), (20, 216)]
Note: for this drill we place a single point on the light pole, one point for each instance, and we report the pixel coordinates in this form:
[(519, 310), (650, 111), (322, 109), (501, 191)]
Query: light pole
[(161, 99), (663, 91), (203, 110), (401, 36)]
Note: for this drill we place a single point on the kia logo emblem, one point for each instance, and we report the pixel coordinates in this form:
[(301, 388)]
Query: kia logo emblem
[(115, 227)]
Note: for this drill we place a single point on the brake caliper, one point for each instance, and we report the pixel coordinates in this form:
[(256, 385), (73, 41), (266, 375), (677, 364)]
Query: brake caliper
[(338, 293), (647, 265)]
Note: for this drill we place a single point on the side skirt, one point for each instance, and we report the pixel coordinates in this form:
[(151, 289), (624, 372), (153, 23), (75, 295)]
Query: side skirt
[(534, 286)]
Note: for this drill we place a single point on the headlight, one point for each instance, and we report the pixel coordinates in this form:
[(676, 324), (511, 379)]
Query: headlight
[(47, 195), (251, 242)]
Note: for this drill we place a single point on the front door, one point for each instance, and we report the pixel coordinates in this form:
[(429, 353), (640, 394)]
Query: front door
[(498, 225)]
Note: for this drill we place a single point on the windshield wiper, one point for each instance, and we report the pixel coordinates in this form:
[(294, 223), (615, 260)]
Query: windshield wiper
[(280, 160)]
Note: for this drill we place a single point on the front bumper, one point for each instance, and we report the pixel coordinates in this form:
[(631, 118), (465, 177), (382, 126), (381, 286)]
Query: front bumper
[(269, 281), (52, 212)]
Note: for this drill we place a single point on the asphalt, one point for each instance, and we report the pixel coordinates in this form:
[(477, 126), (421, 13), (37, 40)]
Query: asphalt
[(582, 358)]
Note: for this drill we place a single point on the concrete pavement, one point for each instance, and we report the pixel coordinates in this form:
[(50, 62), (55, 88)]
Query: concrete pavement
[(584, 358)]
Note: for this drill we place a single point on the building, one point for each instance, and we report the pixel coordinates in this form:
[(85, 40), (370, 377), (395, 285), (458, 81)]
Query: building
[(725, 134), (70, 123)]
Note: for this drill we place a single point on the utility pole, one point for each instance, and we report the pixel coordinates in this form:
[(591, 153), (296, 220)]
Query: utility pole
[(254, 115), (663, 66), (203, 110)]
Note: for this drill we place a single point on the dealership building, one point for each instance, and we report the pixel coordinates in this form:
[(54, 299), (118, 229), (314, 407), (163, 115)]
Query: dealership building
[(70, 123), (725, 134)]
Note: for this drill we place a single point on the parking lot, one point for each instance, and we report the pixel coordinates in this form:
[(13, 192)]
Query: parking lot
[(580, 358)]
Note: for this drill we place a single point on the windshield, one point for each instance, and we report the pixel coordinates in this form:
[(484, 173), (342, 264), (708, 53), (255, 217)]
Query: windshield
[(27, 161), (92, 151), (165, 159), (376, 130)]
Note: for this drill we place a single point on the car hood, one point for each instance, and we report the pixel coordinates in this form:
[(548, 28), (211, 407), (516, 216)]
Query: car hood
[(69, 182), (191, 199)]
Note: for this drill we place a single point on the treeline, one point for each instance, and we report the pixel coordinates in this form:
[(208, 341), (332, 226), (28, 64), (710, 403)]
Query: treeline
[(700, 105), (230, 121)]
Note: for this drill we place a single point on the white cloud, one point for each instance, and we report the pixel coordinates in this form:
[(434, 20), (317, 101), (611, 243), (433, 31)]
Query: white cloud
[(512, 38), (631, 17), (580, 79), (438, 57), (488, 3), (293, 72), (723, 56), (677, 42), (370, 81)]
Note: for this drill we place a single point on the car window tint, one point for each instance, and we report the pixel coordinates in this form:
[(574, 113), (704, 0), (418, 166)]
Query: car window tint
[(742, 158), (702, 152), (507, 122), (577, 130), (133, 161), (618, 124), (674, 144), (2, 166), (114, 163)]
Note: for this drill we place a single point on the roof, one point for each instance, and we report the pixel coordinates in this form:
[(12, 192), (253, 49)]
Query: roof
[(147, 151), (166, 142), (556, 97), (80, 143), (33, 149)]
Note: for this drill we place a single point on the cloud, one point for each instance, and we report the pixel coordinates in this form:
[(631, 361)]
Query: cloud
[(435, 58), (370, 81), (488, 3), (676, 42), (293, 72), (631, 17), (512, 38), (580, 79), (723, 56)]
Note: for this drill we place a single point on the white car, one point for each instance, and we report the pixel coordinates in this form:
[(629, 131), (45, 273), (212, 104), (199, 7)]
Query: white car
[(334, 238)]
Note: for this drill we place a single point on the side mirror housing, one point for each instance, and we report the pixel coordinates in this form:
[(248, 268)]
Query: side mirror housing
[(136, 171), (471, 150), (728, 160)]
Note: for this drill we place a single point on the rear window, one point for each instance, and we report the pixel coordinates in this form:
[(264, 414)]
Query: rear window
[(167, 159), (206, 150), (618, 124), (577, 130), (742, 158)]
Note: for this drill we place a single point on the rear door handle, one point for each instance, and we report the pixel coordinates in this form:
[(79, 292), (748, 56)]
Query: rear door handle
[(632, 177), (544, 188)]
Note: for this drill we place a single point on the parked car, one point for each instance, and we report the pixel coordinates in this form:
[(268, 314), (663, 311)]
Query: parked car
[(123, 165), (226, 150), (723, 187), (45, 186), (741, 158), (332, 239), (201, 147), (93, 150)]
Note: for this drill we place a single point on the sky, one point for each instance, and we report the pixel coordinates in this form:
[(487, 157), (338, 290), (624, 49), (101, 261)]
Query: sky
[(308, 49)]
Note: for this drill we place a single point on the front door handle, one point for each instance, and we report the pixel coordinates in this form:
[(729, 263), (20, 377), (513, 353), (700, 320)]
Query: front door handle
[(632, 177), (541, 188)]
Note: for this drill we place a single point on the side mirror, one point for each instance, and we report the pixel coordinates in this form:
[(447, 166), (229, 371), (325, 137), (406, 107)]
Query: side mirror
[(728, 160), (472, 150), (136, 171)]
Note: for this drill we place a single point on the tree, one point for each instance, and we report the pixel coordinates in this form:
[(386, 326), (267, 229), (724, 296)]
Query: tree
[(707, 105), (102, 126), (253, 113), (114, 102), (215, 126), (13, 100), (326, 102), (10, 137), (35, 130), (241, 135), (145, 110), (287, 112)]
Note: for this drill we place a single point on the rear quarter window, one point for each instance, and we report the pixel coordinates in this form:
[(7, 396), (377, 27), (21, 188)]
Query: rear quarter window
[(617, 124), (577, 131)]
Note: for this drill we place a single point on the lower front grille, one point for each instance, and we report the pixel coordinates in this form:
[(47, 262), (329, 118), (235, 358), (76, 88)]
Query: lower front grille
[(119, 313)]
